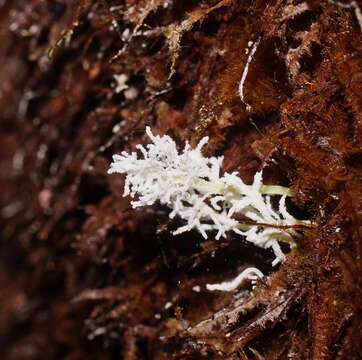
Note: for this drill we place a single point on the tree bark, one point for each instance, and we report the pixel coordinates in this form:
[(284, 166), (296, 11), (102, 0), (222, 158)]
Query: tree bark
[(276, 85)]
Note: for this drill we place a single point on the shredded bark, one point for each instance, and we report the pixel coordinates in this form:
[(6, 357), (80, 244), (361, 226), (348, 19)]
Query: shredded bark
[(276, 85)]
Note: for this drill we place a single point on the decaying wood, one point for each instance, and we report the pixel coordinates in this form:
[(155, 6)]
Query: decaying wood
[(276, 85)]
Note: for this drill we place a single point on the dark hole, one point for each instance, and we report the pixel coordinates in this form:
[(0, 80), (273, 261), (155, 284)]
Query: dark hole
[(43, 36), (91, 190), (57, 9), (179, 98), (142, 345), (294, 42), (309, 62), (210, 27), (302, 22), (154, 46)]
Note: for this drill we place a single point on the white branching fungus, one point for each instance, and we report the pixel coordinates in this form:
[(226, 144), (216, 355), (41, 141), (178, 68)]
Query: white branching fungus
[(246, 71), (193, 187), (121, 82), (250, 273)]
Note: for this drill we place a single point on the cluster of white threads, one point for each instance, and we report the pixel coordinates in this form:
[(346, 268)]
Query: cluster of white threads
[(191, 185), (250, 273)]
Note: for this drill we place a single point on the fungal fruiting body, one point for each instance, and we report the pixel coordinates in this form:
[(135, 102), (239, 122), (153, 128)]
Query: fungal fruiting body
[(193, 187)]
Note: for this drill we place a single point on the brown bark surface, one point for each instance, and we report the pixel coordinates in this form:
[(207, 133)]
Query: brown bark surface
[(83, 275)]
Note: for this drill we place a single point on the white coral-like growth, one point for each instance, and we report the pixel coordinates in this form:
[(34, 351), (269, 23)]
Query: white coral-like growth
[(193, 187), (250, 273)]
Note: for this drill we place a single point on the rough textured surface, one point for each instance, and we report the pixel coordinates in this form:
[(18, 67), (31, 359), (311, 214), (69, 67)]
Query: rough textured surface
[(82, 274)]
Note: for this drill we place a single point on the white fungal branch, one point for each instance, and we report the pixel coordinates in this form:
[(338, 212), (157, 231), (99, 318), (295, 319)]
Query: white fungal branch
[(192, 186), (250, 273), (246, 71), (121, 82)]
